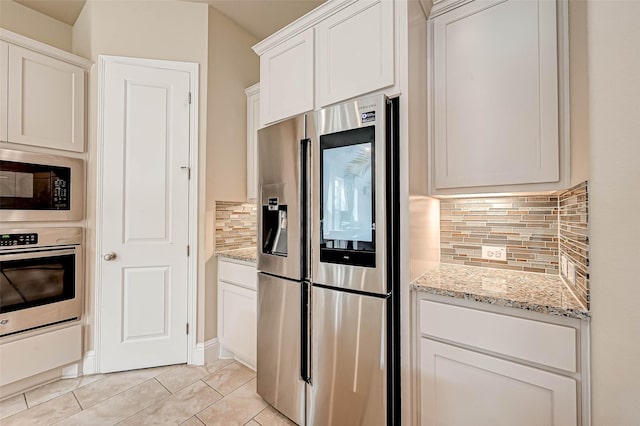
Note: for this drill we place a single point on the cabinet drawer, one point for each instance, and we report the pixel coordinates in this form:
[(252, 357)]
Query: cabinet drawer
[(245, 276), (539, 342)]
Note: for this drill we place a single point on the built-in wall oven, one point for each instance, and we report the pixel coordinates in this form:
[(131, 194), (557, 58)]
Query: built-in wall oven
[(41, 278), (40, 187)]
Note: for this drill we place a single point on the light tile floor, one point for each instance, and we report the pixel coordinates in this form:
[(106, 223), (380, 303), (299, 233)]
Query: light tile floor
[(220, 393)]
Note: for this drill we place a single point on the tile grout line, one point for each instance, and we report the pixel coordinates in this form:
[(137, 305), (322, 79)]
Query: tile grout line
[(160, 383)]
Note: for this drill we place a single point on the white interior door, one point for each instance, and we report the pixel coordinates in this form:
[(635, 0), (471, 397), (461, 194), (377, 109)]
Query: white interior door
[(144, 215)]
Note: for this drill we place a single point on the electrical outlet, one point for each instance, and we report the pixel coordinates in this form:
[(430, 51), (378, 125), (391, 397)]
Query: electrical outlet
[(571, 272), (494, 253), (563, 265)]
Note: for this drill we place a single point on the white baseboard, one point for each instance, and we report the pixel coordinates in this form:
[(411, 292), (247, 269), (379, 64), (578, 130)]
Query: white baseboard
[(71, 371), (89, 365), (206, 352)]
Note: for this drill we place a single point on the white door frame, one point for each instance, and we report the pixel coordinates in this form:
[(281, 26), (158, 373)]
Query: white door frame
[(192, 261)]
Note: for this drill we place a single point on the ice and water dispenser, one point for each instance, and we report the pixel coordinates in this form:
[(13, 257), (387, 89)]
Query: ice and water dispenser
[(274, 227)]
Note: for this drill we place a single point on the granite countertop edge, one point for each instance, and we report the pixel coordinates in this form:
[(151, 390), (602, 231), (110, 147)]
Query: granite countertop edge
[(248, 254), (420, 285)]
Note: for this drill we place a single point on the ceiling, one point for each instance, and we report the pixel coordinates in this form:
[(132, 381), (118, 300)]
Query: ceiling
[(66, 11), (264, 17), (259, 17)]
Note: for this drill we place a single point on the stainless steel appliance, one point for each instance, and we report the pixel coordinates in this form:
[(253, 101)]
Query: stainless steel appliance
[(40, 187), (41, 277), (328, 318)]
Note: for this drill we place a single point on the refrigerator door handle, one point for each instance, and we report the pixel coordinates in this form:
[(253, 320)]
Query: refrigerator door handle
[(305, 331)]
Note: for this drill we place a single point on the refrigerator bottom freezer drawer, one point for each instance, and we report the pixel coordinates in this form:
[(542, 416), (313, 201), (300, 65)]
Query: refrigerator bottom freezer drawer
[(278, 364), (348, 359)]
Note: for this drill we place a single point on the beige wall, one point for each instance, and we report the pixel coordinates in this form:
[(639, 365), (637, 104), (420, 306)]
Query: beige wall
[(233, 66), (578, 86), (29, 23), (162, 29), (614, 127)]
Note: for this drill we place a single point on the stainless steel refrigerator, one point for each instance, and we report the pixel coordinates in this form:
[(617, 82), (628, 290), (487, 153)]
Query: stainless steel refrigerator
[(328, 302)]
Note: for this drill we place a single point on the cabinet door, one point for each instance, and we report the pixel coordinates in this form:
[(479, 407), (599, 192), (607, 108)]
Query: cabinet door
[(253, 124), (237, 319), (45, 101), (462, 387), (286, 79), (355, 51), (4, 73), (495, 94)]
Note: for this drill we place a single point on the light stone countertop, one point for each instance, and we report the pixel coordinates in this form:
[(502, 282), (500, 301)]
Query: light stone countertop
[(530, 291), (244, 254)]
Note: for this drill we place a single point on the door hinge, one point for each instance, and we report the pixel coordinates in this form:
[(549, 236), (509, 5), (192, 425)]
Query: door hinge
[(187, 328), (189, 97), (188, 250), (188, 169)]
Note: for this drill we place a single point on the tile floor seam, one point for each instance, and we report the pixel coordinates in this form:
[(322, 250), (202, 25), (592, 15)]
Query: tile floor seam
[(160, 383)]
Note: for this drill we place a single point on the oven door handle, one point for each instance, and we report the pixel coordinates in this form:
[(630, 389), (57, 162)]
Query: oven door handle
[(36, 254)]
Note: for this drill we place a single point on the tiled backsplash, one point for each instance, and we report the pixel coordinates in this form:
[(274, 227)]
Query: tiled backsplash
[(526, 226), (536, 230), (574, 240), (235, 225)]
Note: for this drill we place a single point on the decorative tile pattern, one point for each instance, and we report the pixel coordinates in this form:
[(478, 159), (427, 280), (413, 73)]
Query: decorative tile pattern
[(526, 226), (535, 292), (574, 237), (235, 225)]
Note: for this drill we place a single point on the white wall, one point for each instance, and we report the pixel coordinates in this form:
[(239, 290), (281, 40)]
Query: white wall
[(29, 23), (161, 29), (614, 127)]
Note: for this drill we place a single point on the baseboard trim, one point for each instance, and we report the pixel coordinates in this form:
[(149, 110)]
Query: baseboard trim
[(89, 365), (206, 352)]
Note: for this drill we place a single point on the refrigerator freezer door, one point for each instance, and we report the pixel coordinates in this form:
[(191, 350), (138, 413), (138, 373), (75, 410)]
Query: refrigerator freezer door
[(280, 187), (348, 359), (278, 366)]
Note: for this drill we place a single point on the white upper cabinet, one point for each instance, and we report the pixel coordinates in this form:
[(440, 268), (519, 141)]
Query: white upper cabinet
[(341, 50), (45, 101), (286, 78), (354, 51), (253, 124), (496, 102)]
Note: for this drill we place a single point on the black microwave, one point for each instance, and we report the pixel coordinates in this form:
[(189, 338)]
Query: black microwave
[(40, 187)]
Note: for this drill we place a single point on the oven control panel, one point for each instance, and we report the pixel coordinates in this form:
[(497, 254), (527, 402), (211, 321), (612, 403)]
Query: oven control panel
[(18, 239)]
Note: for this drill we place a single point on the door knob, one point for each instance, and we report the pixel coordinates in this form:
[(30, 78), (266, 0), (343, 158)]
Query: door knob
[(109, 256)]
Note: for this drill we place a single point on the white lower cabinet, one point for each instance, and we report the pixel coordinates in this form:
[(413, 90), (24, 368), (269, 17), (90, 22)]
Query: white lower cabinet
[(488, 365), (237, 310), (463, 387)]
